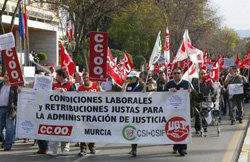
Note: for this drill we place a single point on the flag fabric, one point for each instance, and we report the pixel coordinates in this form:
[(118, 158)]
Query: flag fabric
[(182, 52), (66, 62), (214, 73), (112, 69), (186, 64), (125, 66), (187, 50), (69, 30), (167, 48), (222, 62), (156, 53), (21, 22), (192, 72), (25, 18), (237, 60), (246, 62)]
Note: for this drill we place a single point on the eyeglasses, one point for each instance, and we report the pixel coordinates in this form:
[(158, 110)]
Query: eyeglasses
[(176, 73), (203, 73)]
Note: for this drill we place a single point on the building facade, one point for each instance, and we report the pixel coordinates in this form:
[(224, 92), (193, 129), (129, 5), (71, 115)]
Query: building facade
[(43, 29)]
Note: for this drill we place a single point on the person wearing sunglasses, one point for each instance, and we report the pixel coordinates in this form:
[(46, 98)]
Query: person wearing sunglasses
[(177, 83)]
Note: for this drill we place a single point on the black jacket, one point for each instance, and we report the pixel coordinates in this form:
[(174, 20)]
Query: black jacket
[(12, 104)]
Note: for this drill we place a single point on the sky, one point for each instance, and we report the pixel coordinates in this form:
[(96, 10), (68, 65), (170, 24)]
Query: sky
[(235, 13)]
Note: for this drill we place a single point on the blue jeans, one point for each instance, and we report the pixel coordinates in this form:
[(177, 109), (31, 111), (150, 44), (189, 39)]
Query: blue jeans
[(8, 124)]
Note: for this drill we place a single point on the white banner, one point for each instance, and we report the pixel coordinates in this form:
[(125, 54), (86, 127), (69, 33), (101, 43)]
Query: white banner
[(105, 117), (43, 82), (7, 41), (235, 89)]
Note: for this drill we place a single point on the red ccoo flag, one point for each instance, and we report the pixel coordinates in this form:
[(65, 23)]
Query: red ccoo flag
[(66, 62)]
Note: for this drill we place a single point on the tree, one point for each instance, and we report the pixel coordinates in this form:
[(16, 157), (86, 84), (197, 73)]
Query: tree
[(87, 15), (136, 28)]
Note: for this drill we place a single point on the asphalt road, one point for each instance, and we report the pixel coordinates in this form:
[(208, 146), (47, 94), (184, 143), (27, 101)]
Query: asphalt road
[(211, 148)]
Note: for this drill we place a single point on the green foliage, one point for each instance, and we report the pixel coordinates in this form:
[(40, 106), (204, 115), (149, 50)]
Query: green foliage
[(138, 61), (136, 28), (117, 54), (42, 56)]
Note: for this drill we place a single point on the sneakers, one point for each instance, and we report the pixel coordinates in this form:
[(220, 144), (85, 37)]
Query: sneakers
[(51, 153)]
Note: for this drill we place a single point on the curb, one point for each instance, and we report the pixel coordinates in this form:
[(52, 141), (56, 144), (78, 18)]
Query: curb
[(245, 144)]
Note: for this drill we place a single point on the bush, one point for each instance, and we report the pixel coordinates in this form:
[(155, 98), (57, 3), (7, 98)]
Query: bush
[(42, 56)]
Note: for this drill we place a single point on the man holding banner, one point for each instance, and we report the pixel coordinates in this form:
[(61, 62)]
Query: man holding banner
[(62, 85), (8, 103), (88, 86), (174, 85)]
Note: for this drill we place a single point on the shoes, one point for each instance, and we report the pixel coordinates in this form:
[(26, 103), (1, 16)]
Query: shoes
[(182, 152), (65, 152), (133, 153), (8, 148), (205, 129), (25, 140), (174, 151), (232, 122), (41, 152), (92, 151), (77, 144), (240, 120), (35, 143), (82, 153), (197, 132), (51, 153)]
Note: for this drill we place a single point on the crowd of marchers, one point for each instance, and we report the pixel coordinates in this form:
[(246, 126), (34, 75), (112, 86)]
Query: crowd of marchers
[(201, 89)]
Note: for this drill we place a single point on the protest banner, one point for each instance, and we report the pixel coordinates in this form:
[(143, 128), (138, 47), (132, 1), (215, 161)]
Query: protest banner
[(106, 117), (13, 67), (98, 56), (7, 41), (235, 89), (43, 82)]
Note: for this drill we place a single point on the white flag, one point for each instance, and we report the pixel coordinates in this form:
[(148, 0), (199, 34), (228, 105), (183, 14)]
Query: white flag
[(167, 48), (182, 53), (187, 50), (191, 73), (156, 53)]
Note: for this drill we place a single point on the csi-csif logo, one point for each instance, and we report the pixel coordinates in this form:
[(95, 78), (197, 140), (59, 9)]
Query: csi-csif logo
[(128, 133)]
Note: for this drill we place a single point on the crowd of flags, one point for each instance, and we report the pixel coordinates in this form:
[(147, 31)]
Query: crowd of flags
[(190, 58)]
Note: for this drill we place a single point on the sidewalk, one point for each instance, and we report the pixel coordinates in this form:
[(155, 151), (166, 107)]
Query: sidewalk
[(245, 150)]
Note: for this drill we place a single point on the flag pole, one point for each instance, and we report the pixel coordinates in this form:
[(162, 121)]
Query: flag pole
[(27, 46)]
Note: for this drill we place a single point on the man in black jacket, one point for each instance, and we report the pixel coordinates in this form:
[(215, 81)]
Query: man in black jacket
[(8, 103), (172, 86)]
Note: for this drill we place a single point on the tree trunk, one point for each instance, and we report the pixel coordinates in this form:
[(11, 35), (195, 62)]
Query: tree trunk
[(2, 32)]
